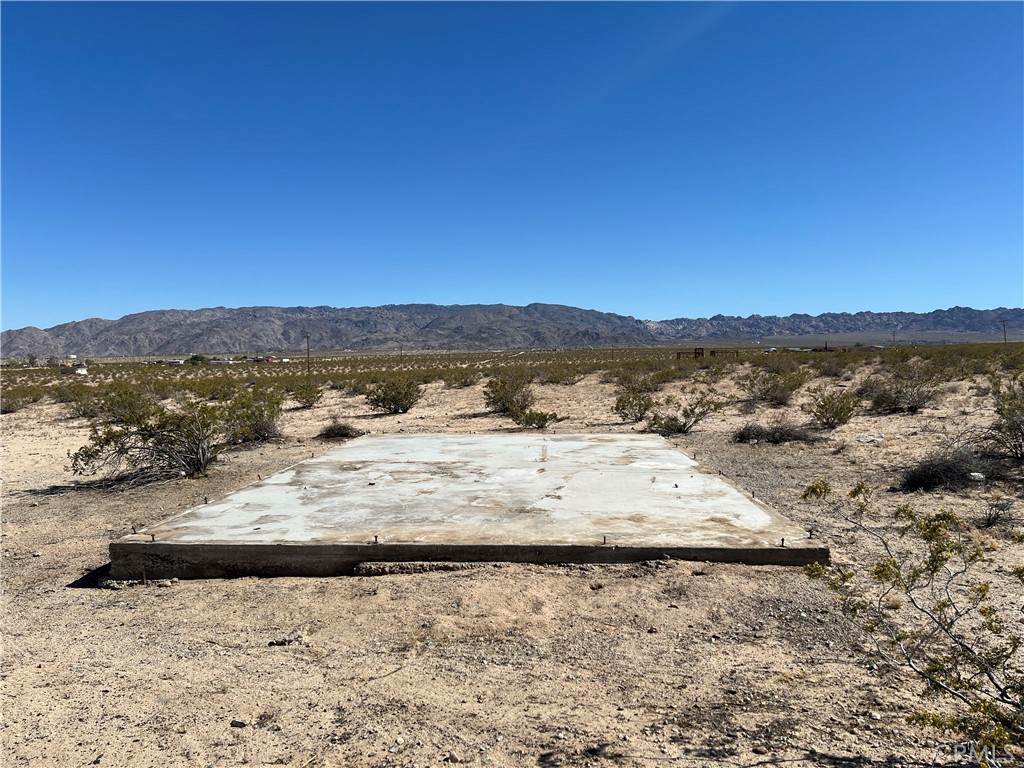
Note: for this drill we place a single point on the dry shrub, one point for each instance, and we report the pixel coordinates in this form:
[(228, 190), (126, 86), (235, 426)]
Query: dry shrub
[(337, 430), (777, 432)]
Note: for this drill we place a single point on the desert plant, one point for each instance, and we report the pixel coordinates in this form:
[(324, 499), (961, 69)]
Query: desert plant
[(643, 382), (459, 378), (509, 391), (253, 416), (778, 431), (394, 395), (831, 408), (633, 406), (673, 418), (307, 393), (337, 430), (998, 512), (158, 444), (774, 388), (84, 400), (13, 399), (1007, 432), (926, 609), (907, 390), (953, 468), (126, 405), (533, 419), (566, 375)]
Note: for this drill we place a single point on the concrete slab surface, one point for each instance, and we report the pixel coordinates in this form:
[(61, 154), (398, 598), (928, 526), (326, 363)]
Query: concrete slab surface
[(520, 497)]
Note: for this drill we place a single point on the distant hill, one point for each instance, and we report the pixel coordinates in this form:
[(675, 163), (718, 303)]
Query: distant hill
[(476, 326)]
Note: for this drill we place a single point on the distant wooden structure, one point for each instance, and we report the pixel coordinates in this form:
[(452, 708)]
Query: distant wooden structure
[(699, 352)]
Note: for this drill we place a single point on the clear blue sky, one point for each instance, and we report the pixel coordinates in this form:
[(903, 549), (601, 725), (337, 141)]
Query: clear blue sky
[(658, 160)]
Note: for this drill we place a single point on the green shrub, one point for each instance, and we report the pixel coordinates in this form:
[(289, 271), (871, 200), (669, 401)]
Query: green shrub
[(158, 444), (633, 406), (831, 408), (676, 419), (908, 388), (307, 394), (395, 395), (897, 395), (831, 365), (560, 374), (459, 378), (85, 401), (641, 382), (13, 399), (1007, 432), (533, 419), (126, 405), (931, 607), (774, 388), (509, 391), (253, 416)]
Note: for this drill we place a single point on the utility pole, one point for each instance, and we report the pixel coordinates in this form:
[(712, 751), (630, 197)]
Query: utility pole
[(894, 338), (1004, 332), (307, 355)]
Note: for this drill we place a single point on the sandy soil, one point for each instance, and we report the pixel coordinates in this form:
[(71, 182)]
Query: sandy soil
[(632, 665)]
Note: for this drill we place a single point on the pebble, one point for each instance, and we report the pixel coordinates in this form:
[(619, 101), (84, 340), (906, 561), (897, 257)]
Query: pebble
[(37, 554), (760, 750), (238, 724)]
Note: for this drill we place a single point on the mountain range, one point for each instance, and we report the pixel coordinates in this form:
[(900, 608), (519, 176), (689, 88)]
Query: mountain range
[(223, 330)]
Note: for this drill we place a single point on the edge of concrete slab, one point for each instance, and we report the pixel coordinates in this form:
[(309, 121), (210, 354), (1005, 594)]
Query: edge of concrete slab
[(160, 560)]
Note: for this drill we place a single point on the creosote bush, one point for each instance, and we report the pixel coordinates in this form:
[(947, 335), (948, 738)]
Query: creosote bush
[(773, 388), (395, 395), (510, 392), (533, 419), (831, 408), (13, 399), (307, 393), (907, 390), (1007, 432), (673, 418), (460, 378), (253, 416), (565, 375), (155, 444), (633, 406), (928, 608)]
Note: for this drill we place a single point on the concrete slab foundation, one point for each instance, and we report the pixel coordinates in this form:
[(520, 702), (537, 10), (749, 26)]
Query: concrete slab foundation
[(514, 498)]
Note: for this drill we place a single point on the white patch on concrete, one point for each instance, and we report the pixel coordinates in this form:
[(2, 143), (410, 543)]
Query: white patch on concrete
[(628, 490)]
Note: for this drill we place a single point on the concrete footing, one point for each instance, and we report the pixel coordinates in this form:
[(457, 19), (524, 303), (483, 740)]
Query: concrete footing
[(511, 498)]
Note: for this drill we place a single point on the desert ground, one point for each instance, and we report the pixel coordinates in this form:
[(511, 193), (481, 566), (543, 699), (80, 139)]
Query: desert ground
[(658, 663)]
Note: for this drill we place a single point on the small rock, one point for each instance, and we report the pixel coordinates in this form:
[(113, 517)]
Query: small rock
[(760, 750), (977, 477), (238, 724), (37, 554)]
